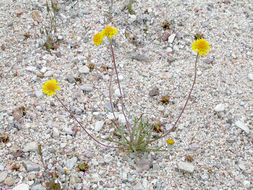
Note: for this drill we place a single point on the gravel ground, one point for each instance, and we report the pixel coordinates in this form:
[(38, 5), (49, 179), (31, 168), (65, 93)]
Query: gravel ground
[(213, 140)]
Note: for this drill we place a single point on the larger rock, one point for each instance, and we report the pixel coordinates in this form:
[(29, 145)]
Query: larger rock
[(74, 179), (154, 91), (87, 87), (141, 57), (250, 76), (172, 38), (3, 175), (99, 125), (84, 70), (9, 181), (32, 146), (185, 166), (143, 165), (219, 108), (70, 163), (38, 187), (122, 119), (22, 186), (31, 68), (30, 167), (242, 126), (138, 186), (49, 73)]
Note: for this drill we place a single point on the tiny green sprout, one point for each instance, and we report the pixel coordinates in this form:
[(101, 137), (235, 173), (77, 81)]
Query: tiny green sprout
[(165, 99), (39, 150), (145, 30), (129, 7), (198, 36), (83, 167), (52, 184), (157, 126)]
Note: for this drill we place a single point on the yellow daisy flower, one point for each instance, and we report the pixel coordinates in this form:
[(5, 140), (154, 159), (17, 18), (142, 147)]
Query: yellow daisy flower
[(50, 87), (98, 38), (201, 46), (170, 141), (109, 32)]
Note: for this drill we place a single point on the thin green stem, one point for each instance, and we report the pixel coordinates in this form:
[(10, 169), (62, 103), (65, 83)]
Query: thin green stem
[(187, 100), (84, 127)]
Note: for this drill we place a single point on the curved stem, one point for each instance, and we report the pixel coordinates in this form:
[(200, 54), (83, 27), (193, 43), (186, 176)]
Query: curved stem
[(120, 91), (187, 100), (84, 127)]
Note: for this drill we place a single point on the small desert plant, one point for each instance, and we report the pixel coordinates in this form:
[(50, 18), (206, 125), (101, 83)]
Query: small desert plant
[(50, 28), (140, 136), (129, 7), (135, 137), (51, 178)]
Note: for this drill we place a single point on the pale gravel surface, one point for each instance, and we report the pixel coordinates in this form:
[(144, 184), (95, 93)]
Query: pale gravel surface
[(210, 134)]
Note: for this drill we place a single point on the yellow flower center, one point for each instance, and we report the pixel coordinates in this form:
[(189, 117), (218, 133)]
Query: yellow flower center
[(51, 86), (202, 45)]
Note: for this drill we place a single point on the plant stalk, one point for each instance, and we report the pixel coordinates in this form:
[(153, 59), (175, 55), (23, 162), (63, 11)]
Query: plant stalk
[(110, 96), (121, 98), (187, 100), (84, 127)]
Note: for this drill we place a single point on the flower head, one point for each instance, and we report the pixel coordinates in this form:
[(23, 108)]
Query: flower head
[(170, 141), (201, 46), (50, 87), (109, 32), (98, 38)]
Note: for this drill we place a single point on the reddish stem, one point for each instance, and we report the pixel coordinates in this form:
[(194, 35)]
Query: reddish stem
[(110, 95), (187, 100), (120, 91), (84, 127)]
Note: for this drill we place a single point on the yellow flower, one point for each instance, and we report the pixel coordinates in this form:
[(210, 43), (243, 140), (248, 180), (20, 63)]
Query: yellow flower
[(109, 32), (50, 87), (170, 141), (98, 38), (201, 46)]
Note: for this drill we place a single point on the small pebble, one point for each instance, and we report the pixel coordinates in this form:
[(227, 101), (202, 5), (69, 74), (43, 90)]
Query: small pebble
[(49, 73), (186, 166), (250, 76), (99, 125), (138, 186), (22, 186), (29, 147), (219, 108), (3, 175), (87, 87), (242, 126), (31, 69), (165, 36), (29, 166), (70, 163), (154, 91), (84, 70), (9, 181), (38, 187), (171, 38)]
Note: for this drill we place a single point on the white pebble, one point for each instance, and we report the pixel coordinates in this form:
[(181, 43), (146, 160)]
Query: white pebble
[(84, 70), (22, 186), (171, 38), (99, 125), (219, 108), (242, 126), (250, 76), (185, 166)]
